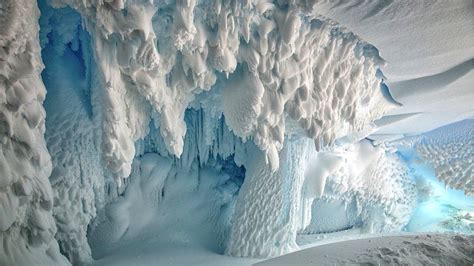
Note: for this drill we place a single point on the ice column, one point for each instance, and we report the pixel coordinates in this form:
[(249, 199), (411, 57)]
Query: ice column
[(268, 209)]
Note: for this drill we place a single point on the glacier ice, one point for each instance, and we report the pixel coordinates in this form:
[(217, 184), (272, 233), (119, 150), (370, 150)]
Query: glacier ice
[(449, 150), (293, 63), (264, 65), (27, 227), (232, 126), (373, 189)]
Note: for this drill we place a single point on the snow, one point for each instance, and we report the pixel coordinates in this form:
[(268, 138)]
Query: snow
[(447, 150), (27, 227), (432, 249), (167, 214), (257, 65), (372, 190), (267, 213), (270, 49), (206, 132), (428, 47)]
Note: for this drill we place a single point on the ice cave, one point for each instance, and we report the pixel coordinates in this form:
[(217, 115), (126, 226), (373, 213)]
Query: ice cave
[(236, 132)]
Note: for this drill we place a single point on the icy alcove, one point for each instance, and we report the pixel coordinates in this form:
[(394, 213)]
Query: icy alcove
[(217, 128)]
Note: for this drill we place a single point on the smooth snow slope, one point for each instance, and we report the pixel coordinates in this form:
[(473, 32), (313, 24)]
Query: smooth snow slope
[(429, 49), (386, 250)]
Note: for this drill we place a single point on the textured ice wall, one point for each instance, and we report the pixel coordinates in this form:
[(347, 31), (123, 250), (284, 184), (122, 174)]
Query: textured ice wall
[(77, 177), (449, 150), (268, 210), (281, 60), (257, 63), (372, 190), (27, 226)]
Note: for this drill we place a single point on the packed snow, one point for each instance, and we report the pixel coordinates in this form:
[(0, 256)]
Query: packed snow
[(229, 132), (424, 249)]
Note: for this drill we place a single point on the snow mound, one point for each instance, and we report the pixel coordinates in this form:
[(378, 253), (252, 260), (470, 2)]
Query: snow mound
[(428, 46), (451, 152), (426, 249)]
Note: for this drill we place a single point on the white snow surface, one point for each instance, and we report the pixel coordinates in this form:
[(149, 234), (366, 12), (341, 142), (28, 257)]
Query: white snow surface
[(429, 49), (424, 249), (288, 60), (449, 150)]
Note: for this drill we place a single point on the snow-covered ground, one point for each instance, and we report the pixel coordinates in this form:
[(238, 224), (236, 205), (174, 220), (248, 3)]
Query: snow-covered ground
[(423, 249)]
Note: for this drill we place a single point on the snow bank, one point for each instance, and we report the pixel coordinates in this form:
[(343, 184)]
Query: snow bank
[(450, 150), (446, 249), (27, 226)]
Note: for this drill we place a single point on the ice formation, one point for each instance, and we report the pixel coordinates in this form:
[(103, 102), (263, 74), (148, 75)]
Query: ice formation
[(372, 190), (387, 250), (230, 126), (288, 61), (27, 227), (449, 150), (265, 64)]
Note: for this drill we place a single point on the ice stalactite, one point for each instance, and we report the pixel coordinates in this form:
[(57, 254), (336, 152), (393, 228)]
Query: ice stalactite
[(293, 63), (204, 181), (27, 226)]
